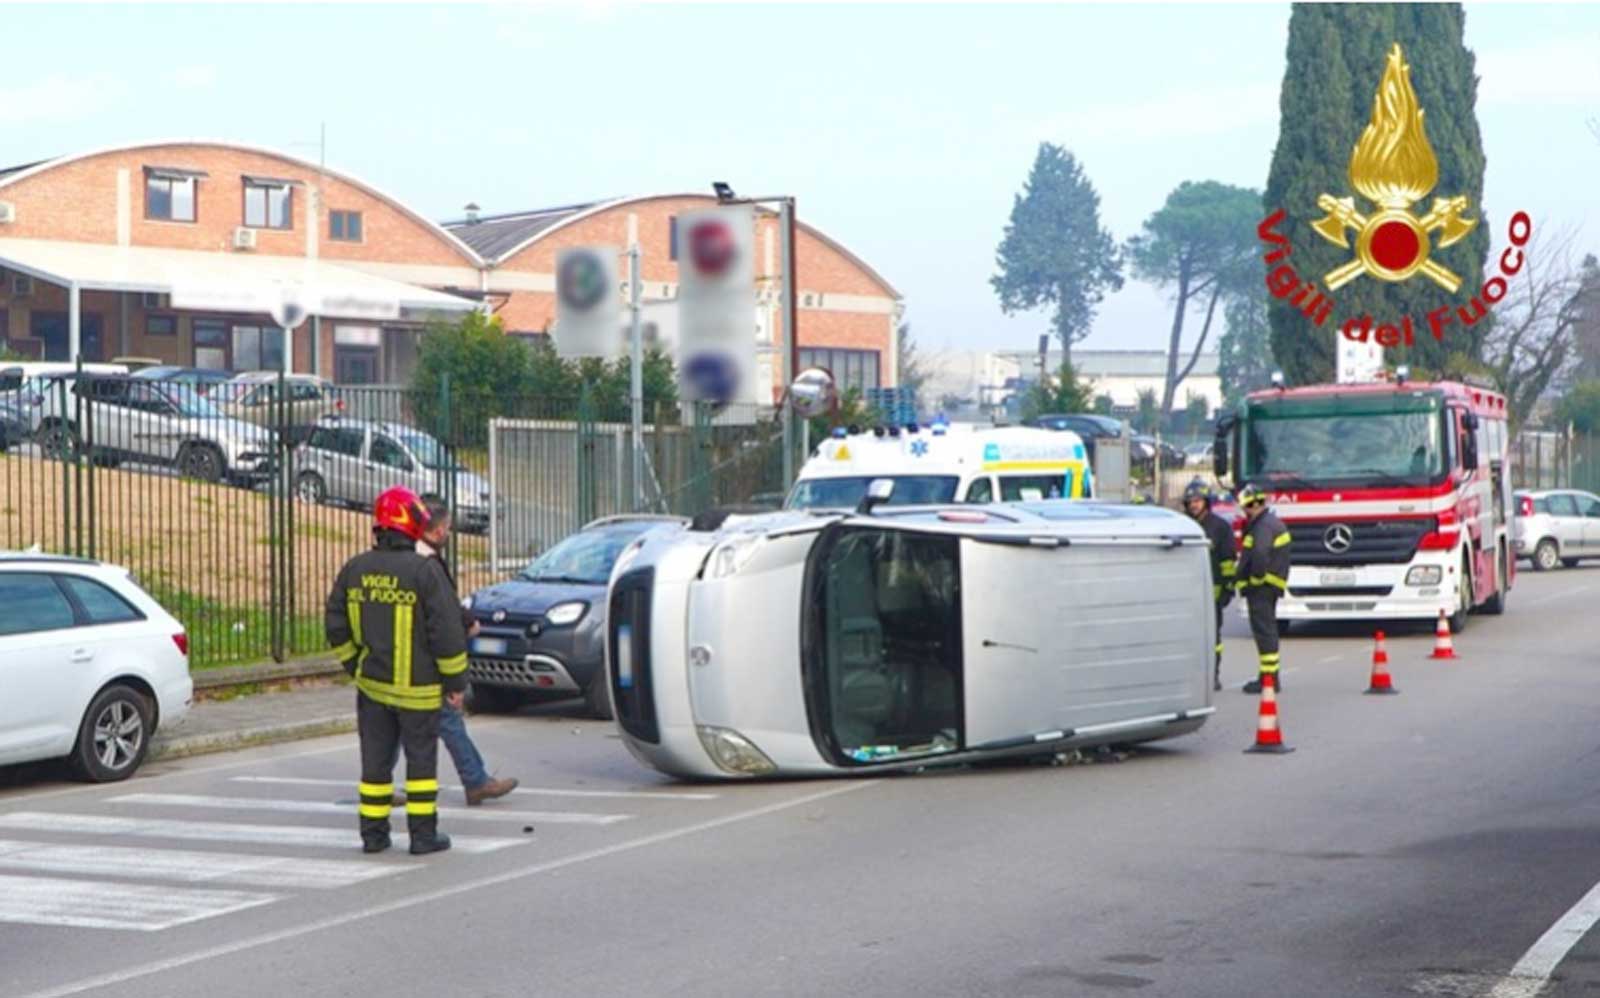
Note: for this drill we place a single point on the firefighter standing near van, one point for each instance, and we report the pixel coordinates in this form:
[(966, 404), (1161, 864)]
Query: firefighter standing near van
[(1219, 533), (394, 623), (1263, 576)]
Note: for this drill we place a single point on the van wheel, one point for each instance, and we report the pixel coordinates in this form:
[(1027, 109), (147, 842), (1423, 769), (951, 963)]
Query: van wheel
[(1284, 626), (1545, 556), (483, 699), (114, 735), (201, 461), (598, 697), (1496, 604)]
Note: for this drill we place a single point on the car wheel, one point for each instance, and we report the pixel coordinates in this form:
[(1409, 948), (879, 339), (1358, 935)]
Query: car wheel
[(1546, 556), (59, 442), (1496, 604), (1458, 620), (114, 735), (598, 697), (200, 461), (310, 488), (482, 699)]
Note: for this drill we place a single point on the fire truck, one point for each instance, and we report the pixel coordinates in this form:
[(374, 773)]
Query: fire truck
[(1396, 494)]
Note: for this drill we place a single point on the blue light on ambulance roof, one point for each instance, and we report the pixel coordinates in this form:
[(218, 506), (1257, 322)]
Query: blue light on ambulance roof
[(839, 433), (938, 429)]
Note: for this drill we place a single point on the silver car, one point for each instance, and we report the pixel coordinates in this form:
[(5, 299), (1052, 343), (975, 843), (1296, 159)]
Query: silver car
[(115, 418), (1557, 527), (350, 461)]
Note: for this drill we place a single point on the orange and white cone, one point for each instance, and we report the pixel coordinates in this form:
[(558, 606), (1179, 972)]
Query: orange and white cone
[(1381, 682), (1442, 648), (1269, 737)]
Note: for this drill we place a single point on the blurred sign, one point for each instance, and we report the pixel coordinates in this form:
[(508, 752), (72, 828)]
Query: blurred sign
[(717, 304), (588, 309)]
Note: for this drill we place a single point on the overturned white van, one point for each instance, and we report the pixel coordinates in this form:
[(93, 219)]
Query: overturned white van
[(831, 644)]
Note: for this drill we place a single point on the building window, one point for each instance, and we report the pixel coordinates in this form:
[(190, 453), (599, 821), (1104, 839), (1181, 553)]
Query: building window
[(344, 226), (856, 369), (268, 204), (160, 325), (257, 348), (169, 195), (210, 345)]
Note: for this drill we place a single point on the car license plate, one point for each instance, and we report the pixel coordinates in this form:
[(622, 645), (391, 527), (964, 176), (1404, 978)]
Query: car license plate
[(1338, 579), (489, 646)]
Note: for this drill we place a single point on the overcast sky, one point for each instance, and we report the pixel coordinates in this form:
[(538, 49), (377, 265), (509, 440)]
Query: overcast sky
[(903, 130)]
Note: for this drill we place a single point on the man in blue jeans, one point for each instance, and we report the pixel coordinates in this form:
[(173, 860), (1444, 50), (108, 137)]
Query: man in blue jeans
[(452, 721)]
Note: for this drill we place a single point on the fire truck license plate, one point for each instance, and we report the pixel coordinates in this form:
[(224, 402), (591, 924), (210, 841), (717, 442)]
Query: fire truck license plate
[(1338, 578)]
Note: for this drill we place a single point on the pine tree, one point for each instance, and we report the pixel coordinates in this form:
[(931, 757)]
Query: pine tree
[(1336, 56), (1245, 361), (1054, 251)]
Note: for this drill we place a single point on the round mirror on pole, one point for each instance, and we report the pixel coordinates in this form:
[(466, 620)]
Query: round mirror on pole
[(813, 393)]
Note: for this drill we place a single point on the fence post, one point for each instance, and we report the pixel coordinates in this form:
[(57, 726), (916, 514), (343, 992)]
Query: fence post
[(585, 455), (447, 428)]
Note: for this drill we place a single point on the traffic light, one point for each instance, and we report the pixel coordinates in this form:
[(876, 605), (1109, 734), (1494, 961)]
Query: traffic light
[(717, 305), (588, 306)]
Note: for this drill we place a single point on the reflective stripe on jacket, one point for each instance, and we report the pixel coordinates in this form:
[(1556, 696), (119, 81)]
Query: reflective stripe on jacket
[(1264, 560), (394, 623)]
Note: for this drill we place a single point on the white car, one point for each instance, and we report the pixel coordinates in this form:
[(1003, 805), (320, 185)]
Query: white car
[(794, 644), (89, 663)]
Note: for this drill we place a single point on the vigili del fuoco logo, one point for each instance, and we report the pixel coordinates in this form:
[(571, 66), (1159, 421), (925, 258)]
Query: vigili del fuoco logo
[(1394, 167)]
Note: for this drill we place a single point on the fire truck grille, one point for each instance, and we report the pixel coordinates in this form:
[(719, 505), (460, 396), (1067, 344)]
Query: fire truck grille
[(1338, 542)]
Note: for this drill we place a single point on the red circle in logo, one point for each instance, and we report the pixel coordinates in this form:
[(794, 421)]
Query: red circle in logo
[(1395, 246), (712, 247)]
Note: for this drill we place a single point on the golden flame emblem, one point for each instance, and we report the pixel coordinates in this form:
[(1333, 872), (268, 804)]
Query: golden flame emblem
[(1393, 166)]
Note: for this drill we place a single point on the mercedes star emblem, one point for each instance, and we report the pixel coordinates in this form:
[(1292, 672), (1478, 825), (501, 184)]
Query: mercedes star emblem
[(1338, 538)]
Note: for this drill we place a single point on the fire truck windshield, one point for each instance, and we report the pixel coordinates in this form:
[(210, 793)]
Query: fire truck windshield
[(1345, 442)]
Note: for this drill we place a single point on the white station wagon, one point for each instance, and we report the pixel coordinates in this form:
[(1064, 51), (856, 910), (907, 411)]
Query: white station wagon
[(811, 644), (90, 665)]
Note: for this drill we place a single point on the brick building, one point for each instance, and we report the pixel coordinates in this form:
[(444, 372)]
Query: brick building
[(172, 250), (178, 251), (847, 311)]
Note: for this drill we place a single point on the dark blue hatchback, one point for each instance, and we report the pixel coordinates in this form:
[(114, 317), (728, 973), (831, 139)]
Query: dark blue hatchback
[(541, 634)]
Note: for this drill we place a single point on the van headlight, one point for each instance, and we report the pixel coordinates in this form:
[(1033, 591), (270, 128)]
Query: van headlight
[(732, 555), (563, 614), (1425, 575), (734, 752)]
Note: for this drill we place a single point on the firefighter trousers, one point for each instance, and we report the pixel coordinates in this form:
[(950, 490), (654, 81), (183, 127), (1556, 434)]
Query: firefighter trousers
[(1219, 604), (384, 731), (1263, 607)]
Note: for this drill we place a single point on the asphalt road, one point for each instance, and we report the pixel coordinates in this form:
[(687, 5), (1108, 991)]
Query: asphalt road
[(1412, 845)]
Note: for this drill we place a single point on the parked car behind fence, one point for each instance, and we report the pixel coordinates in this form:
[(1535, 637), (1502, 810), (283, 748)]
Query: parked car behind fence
[(350, 461)]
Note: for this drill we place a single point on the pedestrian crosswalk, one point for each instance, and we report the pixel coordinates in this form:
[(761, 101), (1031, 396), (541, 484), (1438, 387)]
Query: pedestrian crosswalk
[(149, 861)]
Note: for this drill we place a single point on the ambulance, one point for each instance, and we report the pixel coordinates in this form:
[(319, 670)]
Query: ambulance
[(944, 464)]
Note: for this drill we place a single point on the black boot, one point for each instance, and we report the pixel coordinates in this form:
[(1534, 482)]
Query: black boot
[(374, 835), (1253, 686), (426, 837)]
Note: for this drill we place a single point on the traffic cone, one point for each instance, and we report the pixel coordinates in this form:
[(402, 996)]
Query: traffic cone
[(1442, 648), (1381, 683), (1269, 737)]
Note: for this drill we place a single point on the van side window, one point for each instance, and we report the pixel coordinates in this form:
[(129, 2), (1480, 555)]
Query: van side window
[(979, 490)]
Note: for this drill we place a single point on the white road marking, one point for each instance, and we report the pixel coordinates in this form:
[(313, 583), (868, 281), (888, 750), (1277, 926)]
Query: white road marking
[(544, 791), (349, 810), (85, 904), (1329, 658), (1562, 594), (187, 866), (1531, 973), (212, 831), (463, 887)]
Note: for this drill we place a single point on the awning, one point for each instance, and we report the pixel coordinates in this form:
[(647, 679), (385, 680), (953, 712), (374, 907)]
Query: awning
[(285, 287)]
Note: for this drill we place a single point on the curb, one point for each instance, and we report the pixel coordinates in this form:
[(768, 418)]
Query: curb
[(226, 741), (267, 672)]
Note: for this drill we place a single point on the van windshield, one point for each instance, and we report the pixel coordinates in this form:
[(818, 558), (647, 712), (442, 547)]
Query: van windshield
[(845, 493), (882, 655)]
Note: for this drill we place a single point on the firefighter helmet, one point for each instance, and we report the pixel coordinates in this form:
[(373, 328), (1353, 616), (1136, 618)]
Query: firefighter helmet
[(1250, 495), (400, 509), (1197, 490)]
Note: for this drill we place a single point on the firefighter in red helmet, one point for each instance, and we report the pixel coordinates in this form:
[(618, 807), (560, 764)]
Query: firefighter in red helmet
[(395, 625)]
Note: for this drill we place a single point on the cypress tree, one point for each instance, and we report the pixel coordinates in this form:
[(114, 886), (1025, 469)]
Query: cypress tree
[(1336, 56)]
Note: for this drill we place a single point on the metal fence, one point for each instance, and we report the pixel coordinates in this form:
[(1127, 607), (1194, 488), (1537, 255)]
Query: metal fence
[(237, 520), (1547, 459)]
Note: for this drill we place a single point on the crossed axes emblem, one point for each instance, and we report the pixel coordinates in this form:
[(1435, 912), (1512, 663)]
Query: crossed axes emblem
[(1402, 240)]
